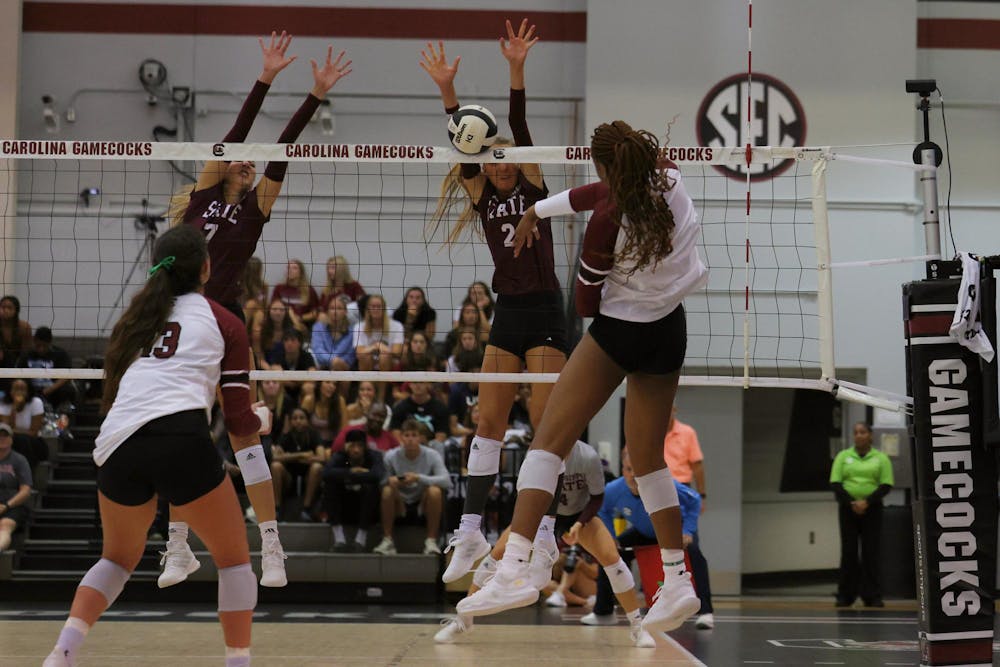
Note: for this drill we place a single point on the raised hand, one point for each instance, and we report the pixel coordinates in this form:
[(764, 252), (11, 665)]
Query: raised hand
[(435, 63), (330, 73), (515, 47), (274, 55)]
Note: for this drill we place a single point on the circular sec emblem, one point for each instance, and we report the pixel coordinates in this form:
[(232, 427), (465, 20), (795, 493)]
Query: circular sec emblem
[(778, 120)]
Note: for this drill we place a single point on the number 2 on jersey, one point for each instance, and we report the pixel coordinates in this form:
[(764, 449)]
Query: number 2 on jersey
[(506, 227), (166, 346)]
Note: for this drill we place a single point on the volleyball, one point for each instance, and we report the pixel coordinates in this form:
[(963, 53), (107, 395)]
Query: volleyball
[(472, 129)]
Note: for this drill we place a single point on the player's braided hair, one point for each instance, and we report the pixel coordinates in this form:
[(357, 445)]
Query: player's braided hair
[(630, 158), (146, 316)]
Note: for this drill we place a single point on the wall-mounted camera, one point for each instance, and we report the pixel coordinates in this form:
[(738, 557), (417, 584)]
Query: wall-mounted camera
[(152, 73), (49, 114), (922, 87), (89, 193)]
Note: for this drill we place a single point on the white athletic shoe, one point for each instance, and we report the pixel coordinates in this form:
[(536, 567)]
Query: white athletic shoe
[(603, 619), (705, 622), (59, 659), (469, 546), (557, 599), (641, 638), (508, 589), (386, 547), (673, 602), (487, 568), (451, 628), (178, 562), (272, 564), (431, 547), (540, 568)]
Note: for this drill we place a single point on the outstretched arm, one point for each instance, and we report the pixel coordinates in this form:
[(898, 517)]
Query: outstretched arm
[(274, 61), (515, 49), (324, 78)]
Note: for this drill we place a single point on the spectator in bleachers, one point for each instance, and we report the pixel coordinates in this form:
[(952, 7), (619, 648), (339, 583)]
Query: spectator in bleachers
[(274, 396), (417, 354), (253, 289), (352, 479), (415, 482), (463, 395), (519, 415), (267, 329), (467, 344), (374, 429), (423, 406), (332, 343), (43, 354), (378, 339), (297, 293), (326, 409), (470, 318), (298, 453), (415, 314), (479, 295), (15, 333), (15, 487), (289, 355), (357, 411), (340, 282), (21, 409)]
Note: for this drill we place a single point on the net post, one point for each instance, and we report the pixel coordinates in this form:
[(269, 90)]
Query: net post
[(824, 279)]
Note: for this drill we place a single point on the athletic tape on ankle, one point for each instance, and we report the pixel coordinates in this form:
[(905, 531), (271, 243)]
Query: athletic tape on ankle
[(107, 578), (620, 577), (540, 470), (484, 456), (657, 490), (237, 588), (253, 465)]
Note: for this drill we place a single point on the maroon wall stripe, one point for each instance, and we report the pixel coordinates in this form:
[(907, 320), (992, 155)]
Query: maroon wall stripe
[(929, 325), (169, 19), (968, 651), (958, 34)]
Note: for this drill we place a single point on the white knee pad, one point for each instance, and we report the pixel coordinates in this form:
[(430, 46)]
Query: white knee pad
[(620, 577), (253, 465), (540, 470), (484, 456), (107, 578), (657, 490), (237, 588)]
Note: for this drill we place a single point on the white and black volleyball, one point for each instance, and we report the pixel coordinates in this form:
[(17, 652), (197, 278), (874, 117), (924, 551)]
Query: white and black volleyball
[(472, 129)]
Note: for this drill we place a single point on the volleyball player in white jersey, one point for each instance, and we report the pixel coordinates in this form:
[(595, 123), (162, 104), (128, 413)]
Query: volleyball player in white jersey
[(581, 496), (165, 358), (639, 261)]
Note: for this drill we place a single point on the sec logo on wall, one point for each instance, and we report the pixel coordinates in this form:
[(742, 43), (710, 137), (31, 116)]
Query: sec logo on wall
[(778, 120)]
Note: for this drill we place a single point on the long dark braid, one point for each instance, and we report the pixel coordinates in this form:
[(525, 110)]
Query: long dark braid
[(146, 316), (630, 158)]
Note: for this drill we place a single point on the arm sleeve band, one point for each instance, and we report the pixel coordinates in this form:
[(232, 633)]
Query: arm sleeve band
[(276, 170), (840, 493), (557, 204), (879, 493), (251, 107), (517, 118)]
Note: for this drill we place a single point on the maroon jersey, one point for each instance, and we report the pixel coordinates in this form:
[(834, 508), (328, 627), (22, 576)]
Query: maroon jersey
[(232, 232), (534, 270)]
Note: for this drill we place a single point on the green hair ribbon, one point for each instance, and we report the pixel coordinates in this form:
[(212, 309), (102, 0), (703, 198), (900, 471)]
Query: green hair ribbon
[(164, 263)]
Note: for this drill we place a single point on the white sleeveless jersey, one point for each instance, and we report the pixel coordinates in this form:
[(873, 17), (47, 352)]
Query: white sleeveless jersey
[(584, 478), (201, 342)]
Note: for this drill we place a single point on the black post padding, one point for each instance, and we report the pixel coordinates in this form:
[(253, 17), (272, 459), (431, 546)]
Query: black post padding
[(955, 476)]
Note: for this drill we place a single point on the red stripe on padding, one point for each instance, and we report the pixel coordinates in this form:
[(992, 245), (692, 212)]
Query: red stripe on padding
[(958, 34), (379, 23), (929, 325), (961, 652)]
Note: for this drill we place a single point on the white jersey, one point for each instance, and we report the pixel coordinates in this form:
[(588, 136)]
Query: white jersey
[(201, 342), (584, 478)]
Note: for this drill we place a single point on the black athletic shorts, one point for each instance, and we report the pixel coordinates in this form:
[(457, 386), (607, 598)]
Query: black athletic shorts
[(525, 321), (656, 348), (172, 456), (18, 515)]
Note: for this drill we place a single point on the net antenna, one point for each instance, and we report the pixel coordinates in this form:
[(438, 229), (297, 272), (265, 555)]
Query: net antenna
[(146, 223)]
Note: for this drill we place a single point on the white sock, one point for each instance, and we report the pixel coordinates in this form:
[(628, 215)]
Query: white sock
[(470, 522), (546, 529), (177, 530), (673, 561), (237, 657), (634, 616), (338, 533), (268, 530), (361, 537), (518, 549)]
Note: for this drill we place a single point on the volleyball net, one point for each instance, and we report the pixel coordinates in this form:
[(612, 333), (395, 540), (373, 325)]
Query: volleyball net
[(78, 219)]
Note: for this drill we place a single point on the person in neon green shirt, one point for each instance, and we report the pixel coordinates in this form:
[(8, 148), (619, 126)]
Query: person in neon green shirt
[(861, 476)]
